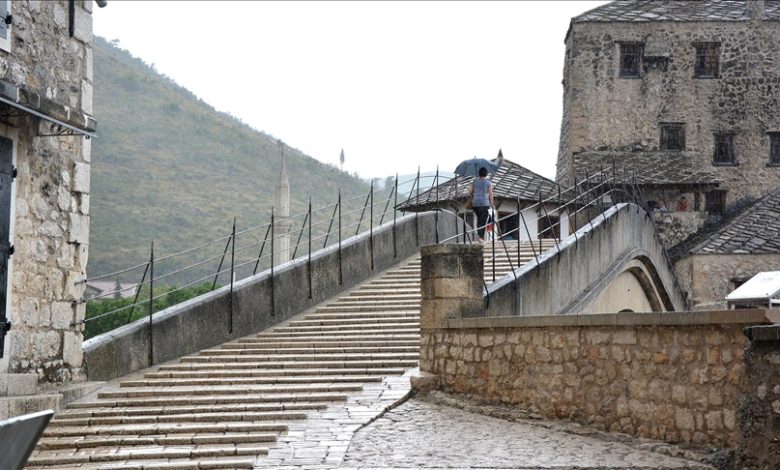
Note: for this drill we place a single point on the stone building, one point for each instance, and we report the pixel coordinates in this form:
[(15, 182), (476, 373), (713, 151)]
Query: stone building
[(684, 98), (45, 125)]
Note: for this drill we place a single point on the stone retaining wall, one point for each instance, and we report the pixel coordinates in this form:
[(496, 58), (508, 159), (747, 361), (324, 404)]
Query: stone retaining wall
[(676, 377)]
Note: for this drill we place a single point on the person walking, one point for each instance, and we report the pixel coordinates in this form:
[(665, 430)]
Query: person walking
[(482, 200)]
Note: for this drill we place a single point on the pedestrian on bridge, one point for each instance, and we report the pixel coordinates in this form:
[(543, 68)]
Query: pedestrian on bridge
[(482, 199)]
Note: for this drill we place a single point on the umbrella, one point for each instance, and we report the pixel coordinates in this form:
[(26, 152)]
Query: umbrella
[(471, 166)]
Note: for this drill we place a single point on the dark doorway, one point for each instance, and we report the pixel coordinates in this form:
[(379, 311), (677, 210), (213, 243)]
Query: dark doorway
[(6, 180), (507, 225), (549, 226)]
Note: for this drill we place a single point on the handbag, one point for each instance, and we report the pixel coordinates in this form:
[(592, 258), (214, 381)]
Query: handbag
[(469, 203)]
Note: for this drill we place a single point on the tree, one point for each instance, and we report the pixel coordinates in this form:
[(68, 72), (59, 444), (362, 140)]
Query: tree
[(341, 159)]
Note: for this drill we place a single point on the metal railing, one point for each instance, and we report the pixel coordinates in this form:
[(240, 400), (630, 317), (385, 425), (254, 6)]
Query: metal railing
[(243, 252), (260, 247)]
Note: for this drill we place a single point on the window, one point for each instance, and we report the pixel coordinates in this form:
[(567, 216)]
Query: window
[(631, 59), (716, 202), (549, 226), (707, 63), (774, 148), (5, 25), (672, 136), (724, 149)]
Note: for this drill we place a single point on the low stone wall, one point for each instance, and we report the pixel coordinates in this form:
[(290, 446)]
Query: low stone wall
[(758, 414), (203, 322), (676, 377)]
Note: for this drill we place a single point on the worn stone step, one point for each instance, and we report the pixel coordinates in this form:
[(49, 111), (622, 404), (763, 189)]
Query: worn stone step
[(221, 390), (255, 349), (381, 334), (250, 381), (359, 364), (98, 411), (127, 441), (213, 400), (246, 373), (299, 357), (358, 321), (163, 429), (153, 453), (367, 306), (410, 301), (406, 326), (221, 416), (368, 342)]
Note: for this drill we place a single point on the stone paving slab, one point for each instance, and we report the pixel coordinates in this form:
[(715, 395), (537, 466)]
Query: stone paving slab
[(423, 434)]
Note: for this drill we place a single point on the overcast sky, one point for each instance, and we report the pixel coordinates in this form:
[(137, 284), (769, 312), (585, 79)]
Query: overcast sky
[(395, 84)]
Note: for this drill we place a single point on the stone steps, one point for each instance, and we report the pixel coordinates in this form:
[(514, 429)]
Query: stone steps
[(99, 411), (124, 441), (246, 373), (155, 453), (255, 349), (225, 407), (359, 364), (180, 418), (246, 381), (215, 400)]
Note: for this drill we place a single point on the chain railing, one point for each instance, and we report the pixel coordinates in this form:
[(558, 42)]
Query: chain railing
[(165, 280)]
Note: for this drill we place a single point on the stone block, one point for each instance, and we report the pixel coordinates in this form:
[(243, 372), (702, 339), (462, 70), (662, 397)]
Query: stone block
[(19, 384), (624, 336), (61, 315), (86, 96), (79, 229), (81, 178), (72, 352), (83, 26)]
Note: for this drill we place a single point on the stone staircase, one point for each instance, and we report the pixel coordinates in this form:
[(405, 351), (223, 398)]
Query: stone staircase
[(248, 403)]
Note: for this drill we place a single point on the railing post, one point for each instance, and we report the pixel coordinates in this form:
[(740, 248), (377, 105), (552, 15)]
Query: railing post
[(151, 304), (308, 262), (518, 231), (436, 211), (232, 274), (341, 275), (417, 213), (137, 293), (221, 262), (395, 205), (371, 225), (273, 235)]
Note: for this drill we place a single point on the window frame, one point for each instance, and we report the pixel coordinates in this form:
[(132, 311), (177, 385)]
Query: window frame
[(732, 148), (774, 149), (664, 141), (701, 67), (640, 50), (5, 42)]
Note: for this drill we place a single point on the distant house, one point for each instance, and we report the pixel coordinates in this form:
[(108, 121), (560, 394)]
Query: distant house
[(110, 290), (516, 189), (723, 256)]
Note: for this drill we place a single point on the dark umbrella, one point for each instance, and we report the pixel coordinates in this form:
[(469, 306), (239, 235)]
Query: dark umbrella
[(471, 166)]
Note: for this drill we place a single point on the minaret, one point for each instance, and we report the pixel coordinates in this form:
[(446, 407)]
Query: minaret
[(282, 222)]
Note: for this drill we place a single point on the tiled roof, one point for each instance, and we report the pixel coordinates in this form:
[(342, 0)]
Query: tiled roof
[(756, 230), (510, 181), (656, 168), (676, 10)]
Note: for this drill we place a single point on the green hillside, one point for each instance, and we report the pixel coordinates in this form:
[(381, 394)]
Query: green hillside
[(168, 167)]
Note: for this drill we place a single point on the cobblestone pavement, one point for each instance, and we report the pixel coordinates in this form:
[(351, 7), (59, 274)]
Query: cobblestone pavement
[(424, 434)]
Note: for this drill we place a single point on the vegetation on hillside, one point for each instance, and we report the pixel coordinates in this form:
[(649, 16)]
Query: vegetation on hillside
[(167, 167)]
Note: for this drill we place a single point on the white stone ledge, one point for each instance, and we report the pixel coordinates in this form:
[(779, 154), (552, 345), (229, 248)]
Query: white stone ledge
[(745, 316)]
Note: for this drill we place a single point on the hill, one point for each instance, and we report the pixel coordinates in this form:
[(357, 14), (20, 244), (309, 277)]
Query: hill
[(170, 168)]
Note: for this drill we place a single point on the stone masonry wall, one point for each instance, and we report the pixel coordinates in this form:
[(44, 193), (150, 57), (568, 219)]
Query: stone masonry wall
[(708, 278), (603, 112), (679, 382), (51, 208)]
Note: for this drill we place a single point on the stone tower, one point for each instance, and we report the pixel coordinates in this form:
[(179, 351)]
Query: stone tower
[(282, 222)]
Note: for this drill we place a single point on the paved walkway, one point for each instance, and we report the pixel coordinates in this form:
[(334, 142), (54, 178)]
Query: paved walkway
[(423, 434)]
